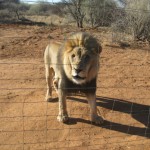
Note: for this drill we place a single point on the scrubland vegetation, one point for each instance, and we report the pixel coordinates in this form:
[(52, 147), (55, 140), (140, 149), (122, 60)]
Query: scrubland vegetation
[(130, 17)]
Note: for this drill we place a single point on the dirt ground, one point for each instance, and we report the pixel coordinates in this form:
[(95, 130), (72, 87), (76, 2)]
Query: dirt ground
[(28, 122)]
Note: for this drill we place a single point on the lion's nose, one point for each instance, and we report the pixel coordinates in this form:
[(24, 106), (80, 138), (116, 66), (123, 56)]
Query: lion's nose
[(78, 70)]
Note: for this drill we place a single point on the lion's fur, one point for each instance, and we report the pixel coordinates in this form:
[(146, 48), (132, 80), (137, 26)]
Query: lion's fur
[(72, 65), (82, 39), (60, 51)]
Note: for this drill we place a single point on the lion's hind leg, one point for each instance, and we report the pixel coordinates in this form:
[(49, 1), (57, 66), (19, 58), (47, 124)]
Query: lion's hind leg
[(55, 83), (49, 78)]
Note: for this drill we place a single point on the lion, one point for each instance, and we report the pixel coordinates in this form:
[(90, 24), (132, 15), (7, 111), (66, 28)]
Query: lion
[(72, 66)]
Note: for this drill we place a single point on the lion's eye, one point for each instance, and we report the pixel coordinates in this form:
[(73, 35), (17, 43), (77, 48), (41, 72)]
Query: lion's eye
[(73, 55)]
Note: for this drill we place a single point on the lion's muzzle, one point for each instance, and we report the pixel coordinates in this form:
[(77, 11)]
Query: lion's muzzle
[(78, 76)]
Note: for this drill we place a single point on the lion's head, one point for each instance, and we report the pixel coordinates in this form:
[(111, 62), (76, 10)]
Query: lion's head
[(81, 57)]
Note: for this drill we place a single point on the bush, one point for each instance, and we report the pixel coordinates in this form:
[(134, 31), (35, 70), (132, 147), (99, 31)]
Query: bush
[(11, 10), (4, 14), (38, 9), (136, 20), (100, 13), (43, 8)]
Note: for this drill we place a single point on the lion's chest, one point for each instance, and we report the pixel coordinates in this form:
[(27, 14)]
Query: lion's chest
[(71, 87)]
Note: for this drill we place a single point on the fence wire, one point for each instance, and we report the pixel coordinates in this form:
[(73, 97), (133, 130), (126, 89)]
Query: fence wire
[(28, 121), (112, 140)]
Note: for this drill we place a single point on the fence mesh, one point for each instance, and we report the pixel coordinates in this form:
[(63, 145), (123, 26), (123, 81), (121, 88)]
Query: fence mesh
[(28, 121)]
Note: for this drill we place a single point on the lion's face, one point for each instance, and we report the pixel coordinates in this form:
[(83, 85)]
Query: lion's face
[(81, 62), (82, 59)]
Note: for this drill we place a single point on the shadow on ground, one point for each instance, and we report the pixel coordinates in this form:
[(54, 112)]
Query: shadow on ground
[(22, 21), (139, 112)]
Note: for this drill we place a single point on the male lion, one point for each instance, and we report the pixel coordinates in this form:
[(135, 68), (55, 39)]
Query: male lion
[(72, 66)]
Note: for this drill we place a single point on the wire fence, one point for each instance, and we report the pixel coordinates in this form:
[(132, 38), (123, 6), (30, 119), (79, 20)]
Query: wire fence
[(28, 121)]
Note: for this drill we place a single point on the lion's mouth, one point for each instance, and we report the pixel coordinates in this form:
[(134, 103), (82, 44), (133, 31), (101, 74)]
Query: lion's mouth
[(77, 77)]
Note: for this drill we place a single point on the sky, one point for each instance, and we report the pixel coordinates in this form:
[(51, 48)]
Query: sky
[(32, 1)]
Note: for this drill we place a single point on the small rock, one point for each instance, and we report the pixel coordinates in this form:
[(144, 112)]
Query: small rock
[(2, 46)]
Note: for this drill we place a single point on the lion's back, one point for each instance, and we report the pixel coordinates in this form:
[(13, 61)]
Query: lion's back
[(51, 52)]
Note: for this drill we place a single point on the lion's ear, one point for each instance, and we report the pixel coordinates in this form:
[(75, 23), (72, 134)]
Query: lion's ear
[(98, 48)]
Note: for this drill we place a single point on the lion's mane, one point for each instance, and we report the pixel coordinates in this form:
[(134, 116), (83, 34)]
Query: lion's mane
[(89, 43)]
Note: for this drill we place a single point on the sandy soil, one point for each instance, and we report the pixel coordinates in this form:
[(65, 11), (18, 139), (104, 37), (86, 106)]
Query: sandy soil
[(28, 122)]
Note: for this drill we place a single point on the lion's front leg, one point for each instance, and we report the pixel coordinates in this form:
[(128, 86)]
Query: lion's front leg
[(94, 116), (49, 76), (63, 115), (55, 83)]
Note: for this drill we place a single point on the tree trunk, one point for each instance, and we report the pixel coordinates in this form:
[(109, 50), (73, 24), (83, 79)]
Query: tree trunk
[(17, 14), (81, 24), (78, 25)]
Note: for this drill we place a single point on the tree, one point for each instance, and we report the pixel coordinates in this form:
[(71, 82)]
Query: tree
[(100, 12), (75, 8), (95, 12)]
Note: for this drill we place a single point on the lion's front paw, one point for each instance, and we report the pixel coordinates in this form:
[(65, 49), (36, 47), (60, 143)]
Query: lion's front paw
[(62, 118), (97, 119)]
